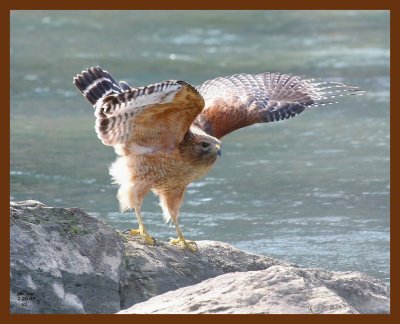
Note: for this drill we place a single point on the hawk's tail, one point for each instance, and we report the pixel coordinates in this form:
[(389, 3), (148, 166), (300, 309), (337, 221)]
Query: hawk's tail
[(95, 84)]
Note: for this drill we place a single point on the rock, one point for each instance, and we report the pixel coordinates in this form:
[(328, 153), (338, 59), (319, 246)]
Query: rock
[(279, 289), (63, 261), (153, 270), (66, 261)]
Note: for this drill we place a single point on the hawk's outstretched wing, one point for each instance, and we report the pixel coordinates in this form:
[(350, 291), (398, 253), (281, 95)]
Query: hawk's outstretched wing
[(146, 118), (241, 100)]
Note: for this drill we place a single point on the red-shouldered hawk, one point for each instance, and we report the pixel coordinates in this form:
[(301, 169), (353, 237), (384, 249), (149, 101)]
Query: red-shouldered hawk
[(168, 134)]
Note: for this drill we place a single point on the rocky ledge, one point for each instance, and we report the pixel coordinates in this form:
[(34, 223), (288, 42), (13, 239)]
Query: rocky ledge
[(65, 261)]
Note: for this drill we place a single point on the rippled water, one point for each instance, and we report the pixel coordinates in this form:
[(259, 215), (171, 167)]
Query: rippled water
[(312, 190)]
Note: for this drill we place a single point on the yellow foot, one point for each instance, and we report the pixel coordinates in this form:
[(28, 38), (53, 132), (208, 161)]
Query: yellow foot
[(147, 238), (189, 245)]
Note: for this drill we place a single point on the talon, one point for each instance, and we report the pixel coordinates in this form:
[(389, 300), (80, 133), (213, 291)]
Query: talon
[(143, 233), (135, 232), (188, 245), (150, 240)]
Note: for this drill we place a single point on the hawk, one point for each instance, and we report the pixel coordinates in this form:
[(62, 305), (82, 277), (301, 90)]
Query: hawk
[(169, 134)]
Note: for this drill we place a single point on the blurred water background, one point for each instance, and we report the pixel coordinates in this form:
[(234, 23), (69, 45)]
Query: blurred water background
[(312, 190)]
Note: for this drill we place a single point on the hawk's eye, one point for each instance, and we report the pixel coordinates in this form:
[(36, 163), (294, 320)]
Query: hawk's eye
[(205, 144)]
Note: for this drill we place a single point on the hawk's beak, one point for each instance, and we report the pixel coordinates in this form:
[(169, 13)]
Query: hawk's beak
[(218, 148)]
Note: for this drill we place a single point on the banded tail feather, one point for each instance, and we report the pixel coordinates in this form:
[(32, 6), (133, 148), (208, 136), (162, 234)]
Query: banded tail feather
[(283, 111), (95, 84), (290, 95), (331, 90), (289, 88)]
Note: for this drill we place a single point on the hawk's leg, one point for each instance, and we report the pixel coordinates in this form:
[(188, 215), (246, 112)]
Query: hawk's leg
[(141, 230), (171, 201), (131, 196), (186, 244)]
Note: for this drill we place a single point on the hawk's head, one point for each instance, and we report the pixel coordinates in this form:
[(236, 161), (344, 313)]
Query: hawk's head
[(200, 147), (206, 147)]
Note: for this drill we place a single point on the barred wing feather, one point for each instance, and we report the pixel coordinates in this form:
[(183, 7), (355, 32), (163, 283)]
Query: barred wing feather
[(156, 116), (241, 100)]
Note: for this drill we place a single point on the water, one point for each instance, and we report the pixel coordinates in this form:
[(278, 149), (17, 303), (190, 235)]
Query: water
[(312, 190)]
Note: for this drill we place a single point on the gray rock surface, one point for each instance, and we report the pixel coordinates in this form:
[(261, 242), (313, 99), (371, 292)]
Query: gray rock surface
[(277, 290), (65, 261), (153, 270)]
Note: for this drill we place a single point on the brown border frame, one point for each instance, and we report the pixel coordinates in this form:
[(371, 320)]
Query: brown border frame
[(6, 7)]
